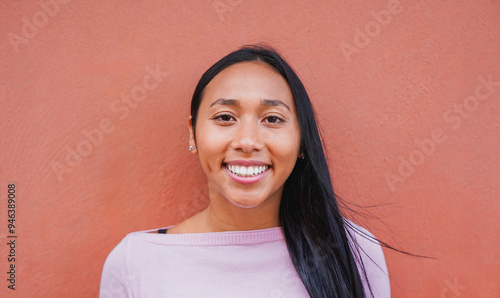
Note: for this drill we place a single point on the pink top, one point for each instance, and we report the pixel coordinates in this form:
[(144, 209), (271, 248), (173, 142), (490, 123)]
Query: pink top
[(220, 264)]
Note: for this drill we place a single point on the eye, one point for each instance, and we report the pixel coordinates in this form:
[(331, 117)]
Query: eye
[(224, 118), (274, 119)]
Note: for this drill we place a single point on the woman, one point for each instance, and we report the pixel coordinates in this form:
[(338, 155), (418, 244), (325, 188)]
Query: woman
[(273, 227)]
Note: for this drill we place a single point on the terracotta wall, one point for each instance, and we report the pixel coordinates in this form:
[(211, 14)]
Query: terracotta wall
[(95, 98)]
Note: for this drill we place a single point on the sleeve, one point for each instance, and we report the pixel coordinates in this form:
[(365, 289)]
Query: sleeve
[(372, 257), (115, 278)]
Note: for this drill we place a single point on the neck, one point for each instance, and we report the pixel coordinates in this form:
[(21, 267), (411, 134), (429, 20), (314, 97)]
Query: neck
[(224, 216)]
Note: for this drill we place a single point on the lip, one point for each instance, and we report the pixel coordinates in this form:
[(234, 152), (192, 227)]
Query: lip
[(247, 163), (247, 180)]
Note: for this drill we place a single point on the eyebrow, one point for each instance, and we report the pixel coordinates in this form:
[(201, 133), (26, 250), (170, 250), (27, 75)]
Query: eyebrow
[(225, 102), (273, 102), (264, 102)]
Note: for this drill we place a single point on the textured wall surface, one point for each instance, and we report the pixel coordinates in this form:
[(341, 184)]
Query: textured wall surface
[(95, 98)]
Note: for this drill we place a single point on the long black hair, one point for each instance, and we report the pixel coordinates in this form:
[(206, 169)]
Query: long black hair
[(309, 212)]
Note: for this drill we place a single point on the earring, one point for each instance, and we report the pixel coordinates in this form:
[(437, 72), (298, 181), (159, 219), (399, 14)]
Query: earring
[(301, 155), (191, 148)]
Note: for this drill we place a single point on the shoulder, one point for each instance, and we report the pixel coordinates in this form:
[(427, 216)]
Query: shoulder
[(369, 256), (364, 240), (116, 279)]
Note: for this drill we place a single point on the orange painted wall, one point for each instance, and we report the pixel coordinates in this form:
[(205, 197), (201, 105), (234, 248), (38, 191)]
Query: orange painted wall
[(401, 91)]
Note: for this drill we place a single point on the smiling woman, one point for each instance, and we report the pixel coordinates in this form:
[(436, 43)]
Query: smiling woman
[(247, 119), (273, 227)]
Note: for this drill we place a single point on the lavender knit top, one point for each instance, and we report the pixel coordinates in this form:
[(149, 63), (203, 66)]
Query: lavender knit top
[(220, 264)]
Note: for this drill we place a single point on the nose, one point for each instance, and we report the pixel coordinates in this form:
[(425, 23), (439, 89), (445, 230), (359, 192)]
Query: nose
[(248, 137)]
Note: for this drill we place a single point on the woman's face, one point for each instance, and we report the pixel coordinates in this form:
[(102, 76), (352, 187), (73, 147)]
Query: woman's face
[(247, 134)]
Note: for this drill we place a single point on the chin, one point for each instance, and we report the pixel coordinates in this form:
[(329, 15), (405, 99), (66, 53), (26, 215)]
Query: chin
[(245, 204)]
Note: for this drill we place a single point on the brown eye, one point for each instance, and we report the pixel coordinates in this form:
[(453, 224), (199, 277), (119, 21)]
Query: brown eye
[(274, 119), (224, 118)]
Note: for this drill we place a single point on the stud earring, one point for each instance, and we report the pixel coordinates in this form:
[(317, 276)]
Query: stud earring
[(301, 155), (191, 148)]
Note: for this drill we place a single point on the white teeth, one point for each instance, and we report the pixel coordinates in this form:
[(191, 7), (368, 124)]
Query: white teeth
[(246, 171)]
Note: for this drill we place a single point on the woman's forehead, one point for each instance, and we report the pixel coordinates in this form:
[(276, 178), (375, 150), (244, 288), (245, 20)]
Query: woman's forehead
[(249, 81)]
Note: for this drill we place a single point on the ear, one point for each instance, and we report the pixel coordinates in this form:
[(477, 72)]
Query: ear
[(192, 141)]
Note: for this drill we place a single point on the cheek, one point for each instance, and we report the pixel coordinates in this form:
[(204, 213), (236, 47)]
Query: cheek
[(285, 147), (211, 145), (211, 137), (288, 140)]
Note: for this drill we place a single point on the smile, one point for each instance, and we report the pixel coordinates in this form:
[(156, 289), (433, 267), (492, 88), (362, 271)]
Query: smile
[(249, 171)]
